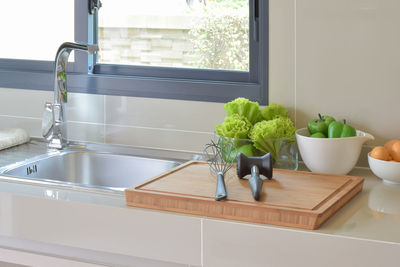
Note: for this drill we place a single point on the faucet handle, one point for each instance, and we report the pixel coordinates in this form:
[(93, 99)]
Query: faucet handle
[(47, 121)]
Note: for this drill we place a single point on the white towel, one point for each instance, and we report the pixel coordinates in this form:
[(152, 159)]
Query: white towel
[(13, 137)]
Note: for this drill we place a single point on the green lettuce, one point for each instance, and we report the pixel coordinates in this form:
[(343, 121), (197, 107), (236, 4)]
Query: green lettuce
[(269, 136), (273, 111), (234, 126), (244, 107)]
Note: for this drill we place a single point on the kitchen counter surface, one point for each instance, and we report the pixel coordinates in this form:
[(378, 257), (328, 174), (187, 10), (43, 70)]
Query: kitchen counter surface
[(79, 223)]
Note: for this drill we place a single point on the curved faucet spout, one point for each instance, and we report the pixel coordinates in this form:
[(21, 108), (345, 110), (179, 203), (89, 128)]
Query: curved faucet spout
[(60, 77), (78, 46), (58, 135)]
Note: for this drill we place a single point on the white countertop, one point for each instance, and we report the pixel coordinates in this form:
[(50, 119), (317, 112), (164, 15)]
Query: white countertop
[(373, 214), (100, 228)]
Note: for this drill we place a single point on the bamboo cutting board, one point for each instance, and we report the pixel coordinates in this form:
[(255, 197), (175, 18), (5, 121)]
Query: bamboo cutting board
[(292, 198)]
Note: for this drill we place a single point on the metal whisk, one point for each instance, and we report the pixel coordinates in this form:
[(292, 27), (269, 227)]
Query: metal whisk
[(220, 159)]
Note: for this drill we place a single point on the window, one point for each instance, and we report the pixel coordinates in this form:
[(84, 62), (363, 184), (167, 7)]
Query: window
[(31, 36), (206, 50), (175, 33)]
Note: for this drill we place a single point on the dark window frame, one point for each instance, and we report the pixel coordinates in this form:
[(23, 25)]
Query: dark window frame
[(84, 76)]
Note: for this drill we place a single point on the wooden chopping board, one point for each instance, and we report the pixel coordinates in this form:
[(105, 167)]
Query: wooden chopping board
[(291, 198)]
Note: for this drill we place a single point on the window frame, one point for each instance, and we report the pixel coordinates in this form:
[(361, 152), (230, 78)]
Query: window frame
[(85, 76)]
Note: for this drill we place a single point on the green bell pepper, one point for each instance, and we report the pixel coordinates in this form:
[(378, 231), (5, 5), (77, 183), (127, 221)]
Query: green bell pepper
[(318, 135), (320, 125), (337, 130)]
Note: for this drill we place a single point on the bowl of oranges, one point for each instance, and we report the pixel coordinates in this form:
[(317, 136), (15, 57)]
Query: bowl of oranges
[(384, 161)]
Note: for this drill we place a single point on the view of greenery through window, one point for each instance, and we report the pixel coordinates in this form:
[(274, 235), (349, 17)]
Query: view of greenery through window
[(206, 34)]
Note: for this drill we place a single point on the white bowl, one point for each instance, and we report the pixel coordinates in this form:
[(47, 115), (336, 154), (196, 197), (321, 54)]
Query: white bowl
[(330, 155), (389, 171)]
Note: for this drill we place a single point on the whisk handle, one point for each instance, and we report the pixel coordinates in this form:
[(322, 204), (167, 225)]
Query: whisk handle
[(255, 183), (221, 189)]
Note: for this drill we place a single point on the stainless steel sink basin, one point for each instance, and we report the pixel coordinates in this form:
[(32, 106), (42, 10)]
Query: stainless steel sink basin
[(88, 168)]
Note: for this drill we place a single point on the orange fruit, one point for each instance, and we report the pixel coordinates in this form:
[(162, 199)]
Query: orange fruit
[(389, 144), (395, 151), (379, 152)]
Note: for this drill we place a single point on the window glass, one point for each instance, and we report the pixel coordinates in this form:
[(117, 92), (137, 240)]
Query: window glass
[(204, 34), (35, 29)]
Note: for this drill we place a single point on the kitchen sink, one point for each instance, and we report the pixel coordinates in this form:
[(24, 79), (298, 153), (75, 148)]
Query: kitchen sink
[(81, 166)]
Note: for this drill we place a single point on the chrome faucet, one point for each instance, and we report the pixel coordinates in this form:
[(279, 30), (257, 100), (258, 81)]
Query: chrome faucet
[(54, 124)]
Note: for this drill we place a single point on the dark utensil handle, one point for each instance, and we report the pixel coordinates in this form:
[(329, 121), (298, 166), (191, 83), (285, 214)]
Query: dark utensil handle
[(255, 183), (221, 189)]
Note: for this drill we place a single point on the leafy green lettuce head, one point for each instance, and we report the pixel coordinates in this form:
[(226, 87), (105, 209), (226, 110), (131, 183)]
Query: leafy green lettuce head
[(267, 136), (234, 126), (244, 107), (273, 111)]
